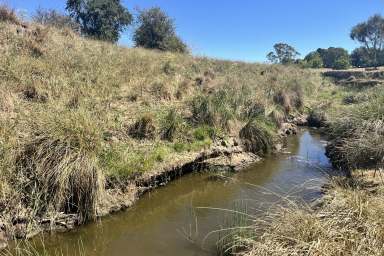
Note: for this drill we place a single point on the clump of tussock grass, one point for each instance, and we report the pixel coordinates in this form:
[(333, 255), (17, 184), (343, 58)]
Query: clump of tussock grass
[(161, 91), (276, 114), (234, 237), (257, 137), (204, 110), (348, 222), (254, 110), (316, 118), (171, 124), (56, 168), (357, 136), (35, 40), (30, 93), (205, 132), (7, 102), (184, 89), (289, 99), (144, 127), (361, 147), (220, 107)]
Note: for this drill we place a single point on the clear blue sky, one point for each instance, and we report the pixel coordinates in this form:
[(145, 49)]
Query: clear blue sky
[(247, 29)]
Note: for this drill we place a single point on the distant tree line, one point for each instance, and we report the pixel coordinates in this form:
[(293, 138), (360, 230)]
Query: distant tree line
[(153, 29), (369, 34), (107, 19)]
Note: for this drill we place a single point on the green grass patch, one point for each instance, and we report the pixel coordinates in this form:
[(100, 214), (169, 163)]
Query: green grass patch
[(121, 161)]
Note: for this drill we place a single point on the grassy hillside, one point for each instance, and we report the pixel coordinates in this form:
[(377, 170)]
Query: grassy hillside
[(78, 116)]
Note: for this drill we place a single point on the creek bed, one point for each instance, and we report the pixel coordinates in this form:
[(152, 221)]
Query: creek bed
[(168, 222)]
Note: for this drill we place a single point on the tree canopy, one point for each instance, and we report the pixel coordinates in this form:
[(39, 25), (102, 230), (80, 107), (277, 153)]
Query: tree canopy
[(283, 54), (371, 35), (101, 19), (360, 57), (334, 57), (156, 30), (314, 60)]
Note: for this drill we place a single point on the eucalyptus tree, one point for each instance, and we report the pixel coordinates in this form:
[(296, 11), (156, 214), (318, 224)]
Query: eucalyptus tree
[(371, 35), (100, 19), (283, 53)]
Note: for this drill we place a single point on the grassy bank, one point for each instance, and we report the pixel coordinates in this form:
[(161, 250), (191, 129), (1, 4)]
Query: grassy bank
[(348, 220), (81, 118)]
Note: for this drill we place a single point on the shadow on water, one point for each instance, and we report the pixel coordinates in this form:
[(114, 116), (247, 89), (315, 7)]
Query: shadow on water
[(166, 221)]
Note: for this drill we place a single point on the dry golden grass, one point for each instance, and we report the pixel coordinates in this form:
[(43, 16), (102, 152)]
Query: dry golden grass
[(348, 221), (67, 106)]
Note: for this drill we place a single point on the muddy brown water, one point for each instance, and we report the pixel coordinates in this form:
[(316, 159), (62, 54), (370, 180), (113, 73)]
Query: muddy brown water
[(168, 221)]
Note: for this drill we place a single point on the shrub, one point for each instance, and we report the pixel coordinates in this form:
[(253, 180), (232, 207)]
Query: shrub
[(313, 60), (143, 128), (157, 31), (55, 19), (169, 68), (361, 57), (8, 15), (337, 58), (283, 99), (342, 63), (174, 44)]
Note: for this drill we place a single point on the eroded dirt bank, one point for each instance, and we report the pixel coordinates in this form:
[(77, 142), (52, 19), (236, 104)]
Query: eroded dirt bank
[(164, 220), (229, 155)]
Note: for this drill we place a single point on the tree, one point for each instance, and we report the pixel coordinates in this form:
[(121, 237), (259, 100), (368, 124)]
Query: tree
[(55, 19), (342, 62), (157, 31), (101, 19), (313, 60), (283, 54), (360, 57), (371, 35), (334, 57)]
